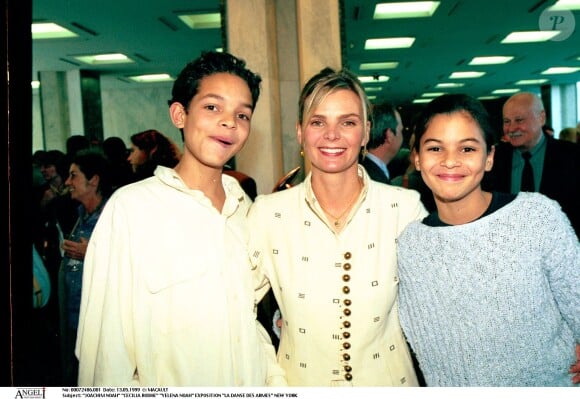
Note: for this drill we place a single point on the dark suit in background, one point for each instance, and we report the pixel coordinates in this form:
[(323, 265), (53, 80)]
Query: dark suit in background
[(560, 175), (374, 171)]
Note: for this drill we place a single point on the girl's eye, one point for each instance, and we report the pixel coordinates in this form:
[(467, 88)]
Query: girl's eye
[(244, 117), (433, 149), (211, 107), (468, 149), (316, 123)]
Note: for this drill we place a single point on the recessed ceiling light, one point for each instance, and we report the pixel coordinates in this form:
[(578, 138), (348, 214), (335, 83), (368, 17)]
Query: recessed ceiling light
[(449, 85), (530, 36), (505, 91), (389, 42), (378, 65), (531, 81), (202, 21), (565, 5), (104, 59), (405, 9), (160, 77), (432, 94), (466, 75), (491, 60), (373, 79), (50, 30), (560, 70)]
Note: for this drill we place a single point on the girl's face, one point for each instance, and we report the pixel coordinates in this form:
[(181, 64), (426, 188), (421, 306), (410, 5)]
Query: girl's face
[(335, 132), (136, 157), (453, 157)]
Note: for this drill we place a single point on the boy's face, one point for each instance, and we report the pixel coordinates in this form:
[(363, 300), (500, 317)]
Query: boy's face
[(217, 123)]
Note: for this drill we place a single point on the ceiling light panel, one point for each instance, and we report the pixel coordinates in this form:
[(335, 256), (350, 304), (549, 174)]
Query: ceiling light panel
[(160, 77), (202, 21), (466, 75), (531, 82), (378, 65), (449, 85), (490, 60), (505, 91), (50, 30), (560, 70), (389, 43), (373, 79), (104, 59), (565, 5), (407, 9), (530, 36)]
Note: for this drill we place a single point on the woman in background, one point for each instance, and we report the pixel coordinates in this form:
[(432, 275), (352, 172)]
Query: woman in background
[(149, 149), (89, 183)]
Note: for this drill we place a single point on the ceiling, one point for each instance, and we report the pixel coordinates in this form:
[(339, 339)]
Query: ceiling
[(150, 31)]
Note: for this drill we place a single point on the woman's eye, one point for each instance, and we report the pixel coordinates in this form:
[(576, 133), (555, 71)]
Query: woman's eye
[(316, 123), (433, 149), (244, 117)]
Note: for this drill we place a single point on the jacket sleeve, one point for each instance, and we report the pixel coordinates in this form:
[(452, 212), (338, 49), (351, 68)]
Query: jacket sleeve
[(104, 341), (276, 377)]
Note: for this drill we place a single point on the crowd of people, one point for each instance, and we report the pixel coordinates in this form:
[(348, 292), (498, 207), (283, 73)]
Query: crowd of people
[(460, 266)]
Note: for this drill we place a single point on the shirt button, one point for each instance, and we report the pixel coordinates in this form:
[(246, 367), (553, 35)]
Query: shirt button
[(346, 356), (346, 334), (346, 345), (347, 255), (345, 277), (346, 266), (346, 312), (346, 324), (345, 289), (348, 376), (347, 368), (347, 302)]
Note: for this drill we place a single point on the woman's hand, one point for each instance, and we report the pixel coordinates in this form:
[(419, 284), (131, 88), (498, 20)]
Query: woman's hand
[(575, 368), (75, 250)]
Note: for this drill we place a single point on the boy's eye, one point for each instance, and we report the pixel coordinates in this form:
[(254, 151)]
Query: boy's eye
[(244, 117), (211, 107), (433, 149)]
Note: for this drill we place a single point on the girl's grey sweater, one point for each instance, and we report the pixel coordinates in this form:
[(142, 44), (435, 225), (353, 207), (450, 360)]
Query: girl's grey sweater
[(495, 302)]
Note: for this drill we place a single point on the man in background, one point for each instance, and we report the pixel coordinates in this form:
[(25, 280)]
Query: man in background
[(534, 161), (385, 141)]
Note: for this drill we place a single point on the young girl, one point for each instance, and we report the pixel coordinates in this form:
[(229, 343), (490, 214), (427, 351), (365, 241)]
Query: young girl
[(489, 283)]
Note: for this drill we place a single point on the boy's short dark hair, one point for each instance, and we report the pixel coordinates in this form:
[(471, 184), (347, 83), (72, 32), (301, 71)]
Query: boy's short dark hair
[(209, 63)]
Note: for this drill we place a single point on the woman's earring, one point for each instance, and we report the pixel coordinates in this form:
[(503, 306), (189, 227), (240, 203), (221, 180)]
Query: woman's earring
[(364, 153)]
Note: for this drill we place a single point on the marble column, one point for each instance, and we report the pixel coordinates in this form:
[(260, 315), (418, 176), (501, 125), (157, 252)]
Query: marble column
[(70, 103), (286, 41)]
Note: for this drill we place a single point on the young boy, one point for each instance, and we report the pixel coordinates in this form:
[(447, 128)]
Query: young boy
[(167, 294)]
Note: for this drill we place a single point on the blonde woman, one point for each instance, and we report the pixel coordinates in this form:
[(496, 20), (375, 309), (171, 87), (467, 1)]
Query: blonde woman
[(327, 247)]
